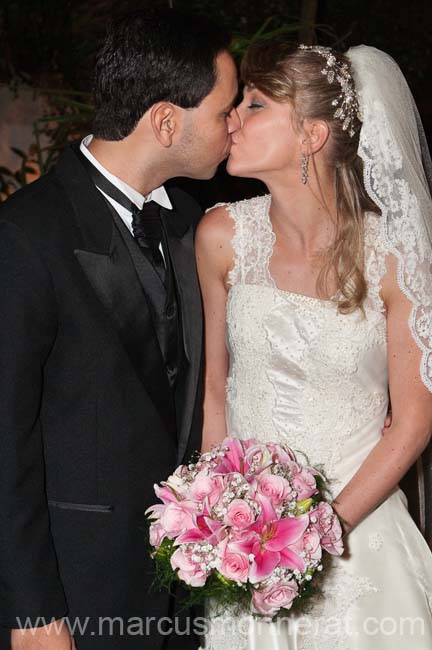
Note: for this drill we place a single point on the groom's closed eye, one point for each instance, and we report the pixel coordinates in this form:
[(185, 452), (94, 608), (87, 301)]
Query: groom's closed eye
[(227, 110)]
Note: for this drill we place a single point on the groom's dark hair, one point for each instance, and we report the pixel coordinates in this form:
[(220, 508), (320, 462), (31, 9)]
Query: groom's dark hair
[(153, 56)]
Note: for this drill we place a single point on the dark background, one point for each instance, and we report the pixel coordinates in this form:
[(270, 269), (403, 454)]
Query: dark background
[(56, 40), (51, 44)]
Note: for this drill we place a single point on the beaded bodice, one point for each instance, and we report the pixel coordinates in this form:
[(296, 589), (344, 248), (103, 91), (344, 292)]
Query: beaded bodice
[(299, 370), (304, 373)]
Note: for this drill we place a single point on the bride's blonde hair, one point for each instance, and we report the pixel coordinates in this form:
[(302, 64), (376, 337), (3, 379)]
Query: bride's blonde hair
[(286, 73)]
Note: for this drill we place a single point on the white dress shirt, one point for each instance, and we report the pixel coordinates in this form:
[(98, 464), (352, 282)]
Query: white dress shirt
[(158, 195)]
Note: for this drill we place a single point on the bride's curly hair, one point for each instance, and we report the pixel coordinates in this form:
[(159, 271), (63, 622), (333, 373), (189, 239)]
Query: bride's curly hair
[(286, 73)]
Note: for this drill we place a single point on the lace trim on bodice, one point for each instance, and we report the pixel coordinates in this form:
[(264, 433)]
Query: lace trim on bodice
[(253, 243)]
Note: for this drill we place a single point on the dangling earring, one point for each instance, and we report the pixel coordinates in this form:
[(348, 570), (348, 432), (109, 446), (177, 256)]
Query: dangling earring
[(304, 166)]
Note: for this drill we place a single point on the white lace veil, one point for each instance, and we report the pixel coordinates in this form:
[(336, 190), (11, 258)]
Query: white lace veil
[(398, 178)]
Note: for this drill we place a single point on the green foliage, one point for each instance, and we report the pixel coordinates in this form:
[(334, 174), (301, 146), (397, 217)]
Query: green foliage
[(241, 42), (165, 577), (12, 180), (70, 120)]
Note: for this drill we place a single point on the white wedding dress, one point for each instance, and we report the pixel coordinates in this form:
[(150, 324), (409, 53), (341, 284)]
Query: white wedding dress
[(304, 374)]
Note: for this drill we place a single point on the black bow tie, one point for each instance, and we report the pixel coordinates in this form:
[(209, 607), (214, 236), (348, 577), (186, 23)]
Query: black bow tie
[(147, 230), (146, 223)]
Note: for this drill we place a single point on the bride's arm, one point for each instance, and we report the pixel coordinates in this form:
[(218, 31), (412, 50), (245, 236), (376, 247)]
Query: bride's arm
[(411, 426), (214, 256)]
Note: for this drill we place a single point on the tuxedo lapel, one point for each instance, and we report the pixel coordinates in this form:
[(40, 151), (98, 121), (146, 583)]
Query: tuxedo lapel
[(124, 281), (107, 264), (180, 235)]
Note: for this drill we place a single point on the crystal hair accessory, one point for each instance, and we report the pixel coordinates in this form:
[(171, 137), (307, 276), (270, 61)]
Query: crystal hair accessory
[(347, 105)]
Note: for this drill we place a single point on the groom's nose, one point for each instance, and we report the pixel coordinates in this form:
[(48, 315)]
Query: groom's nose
[(233, 121)]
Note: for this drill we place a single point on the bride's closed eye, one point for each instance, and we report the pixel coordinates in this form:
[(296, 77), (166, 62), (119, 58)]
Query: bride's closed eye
[(253, 105)]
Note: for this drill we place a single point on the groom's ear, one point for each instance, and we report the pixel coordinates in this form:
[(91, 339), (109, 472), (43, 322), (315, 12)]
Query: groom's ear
[(164, 122)]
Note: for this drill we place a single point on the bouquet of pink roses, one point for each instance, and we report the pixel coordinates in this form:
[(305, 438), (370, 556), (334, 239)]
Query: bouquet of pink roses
[(247, 524)]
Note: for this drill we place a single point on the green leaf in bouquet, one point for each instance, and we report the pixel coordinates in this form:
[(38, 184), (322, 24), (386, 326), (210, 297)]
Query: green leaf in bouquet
[(165, 550), (165, 576), (304, 506), (223, 592)]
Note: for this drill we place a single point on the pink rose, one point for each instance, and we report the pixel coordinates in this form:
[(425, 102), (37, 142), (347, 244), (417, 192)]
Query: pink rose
[(206, 486), (157, 534), (239, 514), (328, 527), (190, 572), (275, 488), (268, 601), (303, 482), (310, 544), (235, 566), (176, 518)]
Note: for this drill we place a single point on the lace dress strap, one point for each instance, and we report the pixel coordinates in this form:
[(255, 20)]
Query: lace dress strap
[(252, 242)]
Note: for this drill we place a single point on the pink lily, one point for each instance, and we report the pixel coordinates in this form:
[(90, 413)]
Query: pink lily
[(206, 529), (234, 459), (155, 511), (270, 548), (268, 513), (166, 494)]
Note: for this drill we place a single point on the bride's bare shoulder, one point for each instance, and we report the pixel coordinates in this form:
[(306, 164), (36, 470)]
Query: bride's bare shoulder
[(216, 227)]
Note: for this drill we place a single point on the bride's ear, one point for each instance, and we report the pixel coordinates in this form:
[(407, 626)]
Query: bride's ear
[(316, 134)]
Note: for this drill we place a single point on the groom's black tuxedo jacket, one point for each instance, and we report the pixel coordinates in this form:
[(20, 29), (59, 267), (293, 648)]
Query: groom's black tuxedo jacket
[(83, 436)]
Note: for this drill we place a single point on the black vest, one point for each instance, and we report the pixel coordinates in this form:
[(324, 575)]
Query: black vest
[(164, 307)]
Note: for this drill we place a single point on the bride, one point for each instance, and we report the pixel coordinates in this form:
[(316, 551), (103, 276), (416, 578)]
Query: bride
[(318, 307)]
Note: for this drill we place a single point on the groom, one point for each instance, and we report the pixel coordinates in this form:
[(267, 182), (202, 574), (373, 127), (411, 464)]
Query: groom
[(100, 343)]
